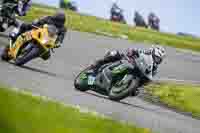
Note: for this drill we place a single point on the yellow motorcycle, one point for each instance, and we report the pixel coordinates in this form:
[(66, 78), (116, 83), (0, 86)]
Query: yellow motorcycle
[(38, 42)]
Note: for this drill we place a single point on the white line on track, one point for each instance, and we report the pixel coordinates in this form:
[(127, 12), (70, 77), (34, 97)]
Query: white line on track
[(178, 80)]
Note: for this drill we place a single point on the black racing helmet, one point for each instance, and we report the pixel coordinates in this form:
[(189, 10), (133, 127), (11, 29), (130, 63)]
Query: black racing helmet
[(59, 18)]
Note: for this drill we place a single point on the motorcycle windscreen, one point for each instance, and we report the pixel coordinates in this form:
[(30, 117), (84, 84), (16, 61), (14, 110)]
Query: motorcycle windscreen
[(145, 65)]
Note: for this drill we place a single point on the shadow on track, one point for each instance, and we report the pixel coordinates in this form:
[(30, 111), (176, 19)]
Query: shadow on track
[(122, 102), (51, 74), (40, 71), (142, 107)]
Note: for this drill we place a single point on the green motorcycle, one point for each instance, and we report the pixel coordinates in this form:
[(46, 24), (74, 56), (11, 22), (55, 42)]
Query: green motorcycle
[(117, 80)]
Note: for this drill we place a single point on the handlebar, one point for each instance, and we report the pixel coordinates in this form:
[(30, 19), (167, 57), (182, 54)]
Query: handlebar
[(57, 46), (34, 26)]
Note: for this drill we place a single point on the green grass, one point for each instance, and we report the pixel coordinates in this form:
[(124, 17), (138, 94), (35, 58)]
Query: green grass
[(185, 98), (100, 26), (24, 113)]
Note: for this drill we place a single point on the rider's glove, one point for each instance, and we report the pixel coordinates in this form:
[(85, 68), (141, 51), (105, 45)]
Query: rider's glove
[(58, 45)]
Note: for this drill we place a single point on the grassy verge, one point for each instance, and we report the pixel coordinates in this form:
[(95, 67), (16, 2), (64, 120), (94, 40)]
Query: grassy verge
[(185, 98), (99, 26), (24, 113)]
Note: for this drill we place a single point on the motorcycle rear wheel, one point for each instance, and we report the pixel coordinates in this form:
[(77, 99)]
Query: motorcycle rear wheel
[(130, 88)]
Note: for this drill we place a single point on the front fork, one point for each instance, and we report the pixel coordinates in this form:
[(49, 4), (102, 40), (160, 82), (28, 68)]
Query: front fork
[(104, 79)]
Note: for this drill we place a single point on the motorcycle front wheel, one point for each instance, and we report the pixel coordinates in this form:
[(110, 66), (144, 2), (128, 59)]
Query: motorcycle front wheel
[(123, 89), (33, 52), (80, 82)]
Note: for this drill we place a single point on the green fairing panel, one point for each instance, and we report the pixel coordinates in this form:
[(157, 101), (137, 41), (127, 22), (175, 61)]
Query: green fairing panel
[(83, 79), (119, 69)]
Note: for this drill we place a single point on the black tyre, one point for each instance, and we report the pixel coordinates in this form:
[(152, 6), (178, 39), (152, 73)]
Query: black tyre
[(4, 54), (126, 90), (78, 82), (27, 56)]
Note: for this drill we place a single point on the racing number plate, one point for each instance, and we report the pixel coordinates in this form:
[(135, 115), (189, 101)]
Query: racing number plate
[(91, 80)]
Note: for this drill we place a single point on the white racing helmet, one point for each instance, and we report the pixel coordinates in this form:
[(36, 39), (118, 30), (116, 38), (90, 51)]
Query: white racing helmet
[(158, 53)]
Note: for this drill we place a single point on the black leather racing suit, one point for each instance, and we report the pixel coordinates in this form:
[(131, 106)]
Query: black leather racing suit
[(21, 8), (51, 20), (45, 20), (115, 55)]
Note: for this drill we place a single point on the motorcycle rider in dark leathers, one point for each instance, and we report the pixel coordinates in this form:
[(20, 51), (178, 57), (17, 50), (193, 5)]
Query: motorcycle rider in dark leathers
[(152, 20), (157, 52), (57, 20), (114, 7), (139, 20), (21, 9), (22, 6)]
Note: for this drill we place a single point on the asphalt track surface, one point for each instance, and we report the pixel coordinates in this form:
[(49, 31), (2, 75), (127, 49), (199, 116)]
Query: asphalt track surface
[(54, 78)]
